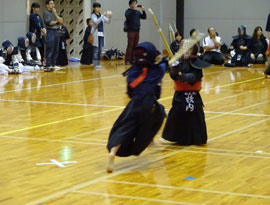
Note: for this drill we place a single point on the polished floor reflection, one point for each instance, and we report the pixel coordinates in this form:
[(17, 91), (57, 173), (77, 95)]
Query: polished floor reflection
[(54, 128)]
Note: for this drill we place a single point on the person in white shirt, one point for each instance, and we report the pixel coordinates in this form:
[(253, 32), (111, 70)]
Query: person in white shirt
[(211, 45), (98, 32)]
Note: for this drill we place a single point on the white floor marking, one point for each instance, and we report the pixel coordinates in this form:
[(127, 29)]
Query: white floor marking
[(119, 172), (134, 198), (57, 84), (59, 164), (235, 113), (189, 189), (61, 103)]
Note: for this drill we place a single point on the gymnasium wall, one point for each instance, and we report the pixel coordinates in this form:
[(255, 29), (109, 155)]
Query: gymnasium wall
[(13, 18), (225, 15)]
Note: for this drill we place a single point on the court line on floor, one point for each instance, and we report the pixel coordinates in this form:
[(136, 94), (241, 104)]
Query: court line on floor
[(238, 109), (102, 178), (90, 132), (246, 91), (103, 112), (61, 103), (242, 144), (189, 189), (228, 154), (238, 130), (82, 116), (119, 172), (134, 198), (59, 121), (159, 148), (235, 113), (52, 140), (112, 106), (210, 118), (96, 105), (78, 117), (57, 84), (227, 150)]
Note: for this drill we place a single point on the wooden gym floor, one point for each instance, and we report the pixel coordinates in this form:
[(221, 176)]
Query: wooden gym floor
[(62, 120)]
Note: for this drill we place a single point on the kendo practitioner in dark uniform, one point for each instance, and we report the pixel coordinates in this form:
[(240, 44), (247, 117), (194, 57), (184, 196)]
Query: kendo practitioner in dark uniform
[(240, 45), (87, 53), (62, 59), (36, 26), (136, 127), (186, 121)]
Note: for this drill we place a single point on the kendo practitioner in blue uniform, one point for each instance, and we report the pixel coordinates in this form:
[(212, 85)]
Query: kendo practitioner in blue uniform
[(136, 127)]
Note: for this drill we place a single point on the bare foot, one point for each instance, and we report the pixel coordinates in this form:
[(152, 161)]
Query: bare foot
[(154, 144), (165, 142), (110, 166)]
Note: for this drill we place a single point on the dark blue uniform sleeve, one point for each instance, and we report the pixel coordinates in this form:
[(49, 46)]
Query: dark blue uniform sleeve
[(143, 15), (190, 78)]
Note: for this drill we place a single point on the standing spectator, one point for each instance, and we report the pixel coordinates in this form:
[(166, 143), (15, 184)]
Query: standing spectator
[(51, 20), (62, 59), (133, 17), (36, 26), (87, 54), (211, 45), (98, 32)]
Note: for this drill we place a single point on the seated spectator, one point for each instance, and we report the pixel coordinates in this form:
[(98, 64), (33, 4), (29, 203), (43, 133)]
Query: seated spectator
[(175, 44), (24, 55), (4, 70), (34, 51), (239, 45), (10, 55), (211, 45), (258, 47)]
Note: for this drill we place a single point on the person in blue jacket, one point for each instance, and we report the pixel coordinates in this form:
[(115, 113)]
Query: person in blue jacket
[(136, 127)]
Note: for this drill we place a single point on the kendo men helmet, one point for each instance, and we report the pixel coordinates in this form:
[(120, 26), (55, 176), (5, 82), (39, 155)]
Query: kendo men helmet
[(146, 53), (242, 30)]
